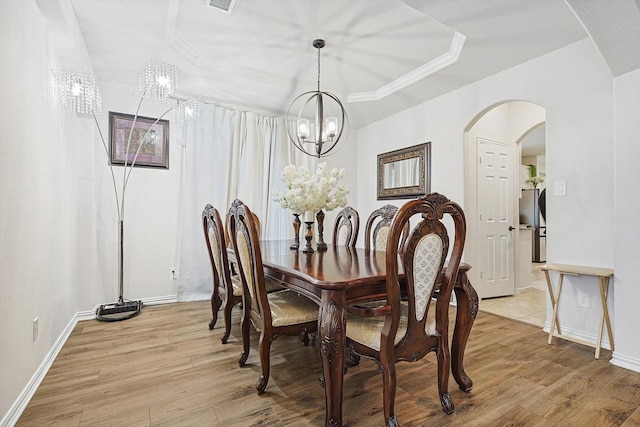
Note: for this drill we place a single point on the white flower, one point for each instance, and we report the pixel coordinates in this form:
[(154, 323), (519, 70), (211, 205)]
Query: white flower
[(311, 192)]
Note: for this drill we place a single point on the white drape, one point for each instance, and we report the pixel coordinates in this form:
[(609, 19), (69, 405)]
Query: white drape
[(230, 155)]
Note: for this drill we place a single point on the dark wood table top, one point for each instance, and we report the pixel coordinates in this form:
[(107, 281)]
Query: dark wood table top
[(338, 267)]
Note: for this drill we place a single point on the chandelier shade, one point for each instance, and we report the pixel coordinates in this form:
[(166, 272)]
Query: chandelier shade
[(158, 80), (78, 91), (187, 110), (319, 117)]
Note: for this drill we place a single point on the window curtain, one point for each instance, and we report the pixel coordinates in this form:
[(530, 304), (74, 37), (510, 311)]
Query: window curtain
[(229, 155)]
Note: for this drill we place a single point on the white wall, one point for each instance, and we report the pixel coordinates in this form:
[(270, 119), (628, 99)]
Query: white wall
[(575, 87), (626, 217), (46, 220)]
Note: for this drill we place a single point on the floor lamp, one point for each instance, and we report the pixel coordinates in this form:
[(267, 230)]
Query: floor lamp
[(81, 93)]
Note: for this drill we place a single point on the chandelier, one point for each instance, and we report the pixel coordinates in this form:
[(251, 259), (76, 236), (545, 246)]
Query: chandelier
[(329, 120)]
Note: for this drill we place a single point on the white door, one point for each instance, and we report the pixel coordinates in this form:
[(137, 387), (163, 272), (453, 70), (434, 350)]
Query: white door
[(496, 178)]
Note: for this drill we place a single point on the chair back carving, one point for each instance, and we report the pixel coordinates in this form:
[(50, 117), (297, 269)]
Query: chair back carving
[(376, 231), (243, 230), (226, 228), (346, 227)]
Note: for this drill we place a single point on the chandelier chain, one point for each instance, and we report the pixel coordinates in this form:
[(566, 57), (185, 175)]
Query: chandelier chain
[(318, 69)]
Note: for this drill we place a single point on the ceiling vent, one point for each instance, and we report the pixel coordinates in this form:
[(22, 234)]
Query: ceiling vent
[(225, 6)]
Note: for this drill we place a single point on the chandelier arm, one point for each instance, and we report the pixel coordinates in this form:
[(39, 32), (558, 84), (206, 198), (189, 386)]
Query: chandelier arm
[(319, 123), (295, 139), (345, 118), (125, 175), (133, 162), (345, 122), (319, 69), (113, 176)]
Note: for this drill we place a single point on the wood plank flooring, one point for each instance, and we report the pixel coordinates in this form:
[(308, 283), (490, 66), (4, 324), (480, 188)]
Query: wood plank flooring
[(166, 368)]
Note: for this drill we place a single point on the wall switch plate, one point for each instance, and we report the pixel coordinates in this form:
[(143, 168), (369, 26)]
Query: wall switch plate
[(35, 328), (560, 188), (584, 299)]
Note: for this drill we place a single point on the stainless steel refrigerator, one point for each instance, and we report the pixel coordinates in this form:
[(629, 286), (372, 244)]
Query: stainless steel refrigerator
[(530, 215)]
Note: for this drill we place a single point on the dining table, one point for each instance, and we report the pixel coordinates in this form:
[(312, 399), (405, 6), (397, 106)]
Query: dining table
[(341, 276)]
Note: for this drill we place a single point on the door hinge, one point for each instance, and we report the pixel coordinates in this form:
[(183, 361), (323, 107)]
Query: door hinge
[(481, 275)]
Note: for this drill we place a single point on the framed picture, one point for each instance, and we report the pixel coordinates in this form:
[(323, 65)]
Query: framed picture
[(405, 173), (148, 138)]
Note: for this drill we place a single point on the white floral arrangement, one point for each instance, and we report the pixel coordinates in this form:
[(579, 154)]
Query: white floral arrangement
[(306, 191)]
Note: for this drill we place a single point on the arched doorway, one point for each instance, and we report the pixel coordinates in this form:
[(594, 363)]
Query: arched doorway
[(494, 182)]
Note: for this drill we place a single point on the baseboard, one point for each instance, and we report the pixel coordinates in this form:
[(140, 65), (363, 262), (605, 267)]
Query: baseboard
[(15, 411), (167, 299), (626, 362), (18, 407)]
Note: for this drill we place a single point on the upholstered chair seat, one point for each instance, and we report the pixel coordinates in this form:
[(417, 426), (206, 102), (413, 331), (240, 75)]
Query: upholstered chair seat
[(270, 285), (367, 330), (290, 308)]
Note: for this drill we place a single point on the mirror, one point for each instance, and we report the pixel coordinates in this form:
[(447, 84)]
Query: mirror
[(405, 173)]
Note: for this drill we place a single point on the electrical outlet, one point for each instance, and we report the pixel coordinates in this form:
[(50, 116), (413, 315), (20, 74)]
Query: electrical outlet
[(35, 328), (584, 299)]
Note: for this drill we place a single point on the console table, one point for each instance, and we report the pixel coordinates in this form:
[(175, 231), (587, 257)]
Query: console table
[(603, 275)]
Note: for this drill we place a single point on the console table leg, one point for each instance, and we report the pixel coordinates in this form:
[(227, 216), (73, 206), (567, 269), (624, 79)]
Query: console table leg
[(556, 303)]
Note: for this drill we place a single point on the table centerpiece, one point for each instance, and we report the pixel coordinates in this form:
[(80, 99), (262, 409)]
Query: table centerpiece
[(308, 193)]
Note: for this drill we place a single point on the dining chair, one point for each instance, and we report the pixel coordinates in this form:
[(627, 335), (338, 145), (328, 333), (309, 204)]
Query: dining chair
[(271, 286), (377, 228), (283, 312), (346, 227), (227, 289), (408, 330)]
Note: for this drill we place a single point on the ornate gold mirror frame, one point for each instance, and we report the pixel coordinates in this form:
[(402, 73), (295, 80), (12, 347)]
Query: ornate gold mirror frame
[(405, 173)]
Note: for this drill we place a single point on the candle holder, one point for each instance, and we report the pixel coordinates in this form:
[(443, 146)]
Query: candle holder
[(308, 236), (296, 230), (322, 246)]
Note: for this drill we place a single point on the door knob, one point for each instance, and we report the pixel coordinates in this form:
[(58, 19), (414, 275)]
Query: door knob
[(511, 228)]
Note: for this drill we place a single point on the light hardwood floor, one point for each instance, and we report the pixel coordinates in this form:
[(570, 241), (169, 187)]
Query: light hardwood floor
[(165, 368)]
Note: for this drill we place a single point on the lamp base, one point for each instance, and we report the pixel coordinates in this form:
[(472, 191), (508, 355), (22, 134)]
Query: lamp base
[(118, 311)]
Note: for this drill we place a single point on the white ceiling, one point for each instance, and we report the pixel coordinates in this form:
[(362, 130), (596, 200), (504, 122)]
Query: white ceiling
[(381, 56)]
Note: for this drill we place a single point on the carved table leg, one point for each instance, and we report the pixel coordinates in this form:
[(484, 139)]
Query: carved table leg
[(467, 310), (331, 327)]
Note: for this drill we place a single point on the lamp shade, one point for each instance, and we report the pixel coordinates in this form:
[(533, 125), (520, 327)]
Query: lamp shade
[(78, 91)]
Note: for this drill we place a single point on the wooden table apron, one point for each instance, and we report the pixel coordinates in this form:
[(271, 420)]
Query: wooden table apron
[(341, 276)]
